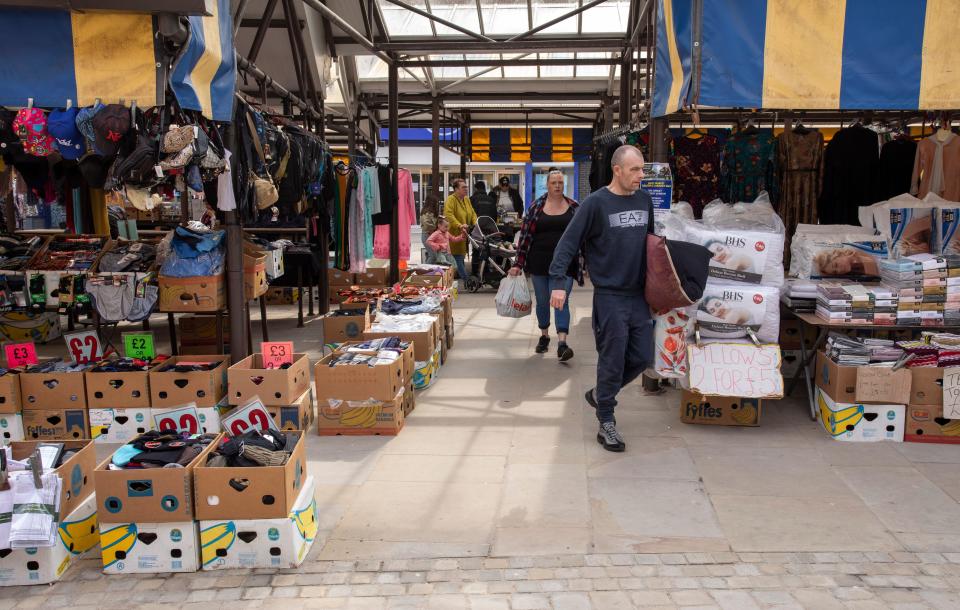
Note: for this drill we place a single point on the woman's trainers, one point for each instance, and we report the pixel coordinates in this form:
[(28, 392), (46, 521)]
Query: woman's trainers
[(543, 344), (564, 352), (610, 438)]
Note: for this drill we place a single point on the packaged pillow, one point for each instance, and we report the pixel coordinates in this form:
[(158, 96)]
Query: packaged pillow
[(907, 224), (740, 255), (851, 260), (727, 310), (809, 238)]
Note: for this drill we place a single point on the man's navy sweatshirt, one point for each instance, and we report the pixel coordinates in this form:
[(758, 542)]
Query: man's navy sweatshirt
[(613, 231)]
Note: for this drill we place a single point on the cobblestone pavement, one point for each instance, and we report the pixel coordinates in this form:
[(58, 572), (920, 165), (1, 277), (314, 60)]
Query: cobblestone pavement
[(729, 581)]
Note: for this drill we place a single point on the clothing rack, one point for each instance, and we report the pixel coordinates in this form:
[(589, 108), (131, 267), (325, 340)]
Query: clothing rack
[(618, 132)]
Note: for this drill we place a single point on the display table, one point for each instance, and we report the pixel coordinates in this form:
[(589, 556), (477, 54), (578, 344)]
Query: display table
[(809, 354)]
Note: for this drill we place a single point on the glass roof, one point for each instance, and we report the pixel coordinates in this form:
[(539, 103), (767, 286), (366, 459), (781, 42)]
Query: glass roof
[(371, 68), (503, 17)]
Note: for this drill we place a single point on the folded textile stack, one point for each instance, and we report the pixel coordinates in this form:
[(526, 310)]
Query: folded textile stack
[(160, 449), (841, 302), (411, 305), (920, 284), (799, 295), (254, 448), (951, 310), (922, 353), (403, 323), (847, 351)]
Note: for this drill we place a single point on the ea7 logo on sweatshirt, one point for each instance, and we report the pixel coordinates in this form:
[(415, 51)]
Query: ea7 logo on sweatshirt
[(630, 218)]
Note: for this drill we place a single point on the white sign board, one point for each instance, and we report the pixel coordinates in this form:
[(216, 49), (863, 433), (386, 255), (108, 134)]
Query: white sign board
[(951, 392), (251, 416), (736, 369), (181, 419)]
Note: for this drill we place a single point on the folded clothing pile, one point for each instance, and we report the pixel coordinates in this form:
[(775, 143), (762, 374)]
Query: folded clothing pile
[(193, 367), (920, 284), (403, 323), (128, 257), (126, 365), (196, 251), (254, 448), (56, 366), (359, 359), (408, 306), (160, 449), (16, 252)]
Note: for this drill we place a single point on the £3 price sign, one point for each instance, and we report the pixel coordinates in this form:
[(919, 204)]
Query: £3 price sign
[(182, 419), (276, 353), (20, 354), (83, 346)]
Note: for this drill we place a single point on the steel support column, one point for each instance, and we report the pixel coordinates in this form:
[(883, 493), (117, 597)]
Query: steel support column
[(435, 152), (235, 288), (394, 158), (626, 70)]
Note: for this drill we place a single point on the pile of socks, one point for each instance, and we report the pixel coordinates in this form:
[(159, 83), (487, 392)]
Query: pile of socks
[(57, 366), (254, 448), (126, 365), (160, 449), (191, 367)]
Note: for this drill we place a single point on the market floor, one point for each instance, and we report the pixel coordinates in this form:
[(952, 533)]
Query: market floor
[(496, 495)]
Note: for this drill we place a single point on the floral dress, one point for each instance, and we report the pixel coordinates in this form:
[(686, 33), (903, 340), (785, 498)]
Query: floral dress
[(696, 170), (748, 167)]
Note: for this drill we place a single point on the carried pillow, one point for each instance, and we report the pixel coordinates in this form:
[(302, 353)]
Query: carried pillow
[(676, 273)]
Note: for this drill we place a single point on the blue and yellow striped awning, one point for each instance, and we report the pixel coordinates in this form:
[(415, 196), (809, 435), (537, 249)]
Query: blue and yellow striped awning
[(204, 76), (814, 54), (538, 145), (53, 55)]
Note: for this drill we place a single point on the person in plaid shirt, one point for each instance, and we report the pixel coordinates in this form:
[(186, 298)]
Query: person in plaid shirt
[(543, 225)]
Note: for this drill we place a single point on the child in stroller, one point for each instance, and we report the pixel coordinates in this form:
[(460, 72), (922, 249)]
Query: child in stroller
[(494, 254)]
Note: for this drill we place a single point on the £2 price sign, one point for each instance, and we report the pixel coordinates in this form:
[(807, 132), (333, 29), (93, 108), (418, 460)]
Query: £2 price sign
[(276, 353), (251, 416), (139, 345), (182, 419), (20, 354), (83, 346)]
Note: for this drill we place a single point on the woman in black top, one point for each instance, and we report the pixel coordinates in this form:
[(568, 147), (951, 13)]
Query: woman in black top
[(543, 225)]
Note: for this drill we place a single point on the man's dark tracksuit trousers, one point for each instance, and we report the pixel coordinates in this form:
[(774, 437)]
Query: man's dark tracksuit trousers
[(623, 329)]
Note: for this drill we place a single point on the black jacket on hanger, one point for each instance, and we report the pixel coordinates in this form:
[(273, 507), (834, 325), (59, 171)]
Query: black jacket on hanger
[(896, 167), (851, 167)]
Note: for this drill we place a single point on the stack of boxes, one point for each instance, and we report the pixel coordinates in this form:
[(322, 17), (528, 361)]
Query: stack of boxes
[(363, 400), (11, 415), (148, 519), (54, 405), (285, 392), (119, 405), (920, 287), (427, 347), (76, 530)]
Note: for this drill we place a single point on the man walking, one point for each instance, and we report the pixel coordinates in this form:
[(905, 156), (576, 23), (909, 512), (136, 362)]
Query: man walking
[(612, 227)]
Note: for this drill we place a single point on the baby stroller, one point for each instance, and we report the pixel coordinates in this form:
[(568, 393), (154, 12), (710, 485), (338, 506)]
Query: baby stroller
[(493, 254)]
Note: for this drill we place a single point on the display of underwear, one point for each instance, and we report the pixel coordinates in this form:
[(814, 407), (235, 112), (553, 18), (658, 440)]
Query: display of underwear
[(160, 449), (70, 255), (253, 448), (127, 365), (121, 297)]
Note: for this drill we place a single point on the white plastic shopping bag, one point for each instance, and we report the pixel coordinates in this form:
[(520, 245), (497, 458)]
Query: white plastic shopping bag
[(513, 298)]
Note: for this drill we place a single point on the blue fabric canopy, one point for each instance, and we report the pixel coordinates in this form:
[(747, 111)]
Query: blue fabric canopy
[(822, 54)]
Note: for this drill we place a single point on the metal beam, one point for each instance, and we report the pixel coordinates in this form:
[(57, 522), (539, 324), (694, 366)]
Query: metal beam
[(568, 45), (435, 152), (552, 22), (432, 17), (348, 29), (262, 30), (271, 24), (489, 96), (480, 63), (467, 79), (238, 17), (641, 26)]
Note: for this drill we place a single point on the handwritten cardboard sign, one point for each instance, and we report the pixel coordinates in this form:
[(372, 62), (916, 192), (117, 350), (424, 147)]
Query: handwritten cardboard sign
[(276, 353), (951, 392), (20, 354), (251, 416), (736, 369), (83, 346), (181, 419), (876, 384)]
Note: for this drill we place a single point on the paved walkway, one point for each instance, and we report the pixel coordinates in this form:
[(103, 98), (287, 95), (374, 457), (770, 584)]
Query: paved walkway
[(496, 495)]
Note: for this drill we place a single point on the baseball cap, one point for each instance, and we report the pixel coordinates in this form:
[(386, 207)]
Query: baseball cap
[(31, 126), (85, 125), (504, 181), (62, 125), (109, 127)]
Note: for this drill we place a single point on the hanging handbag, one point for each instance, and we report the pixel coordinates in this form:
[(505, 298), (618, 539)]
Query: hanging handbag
[(265, 191)]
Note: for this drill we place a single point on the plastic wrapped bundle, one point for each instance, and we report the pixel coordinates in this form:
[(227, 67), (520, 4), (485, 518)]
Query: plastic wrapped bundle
[(727, 310), (670, 342), (810, 240)]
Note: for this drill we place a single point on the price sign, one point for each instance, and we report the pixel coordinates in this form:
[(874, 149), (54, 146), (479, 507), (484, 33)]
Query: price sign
[(83, 346), (20, 354), (251, 416), (276, 353), (181, 419), (951, 392), (139, 345)]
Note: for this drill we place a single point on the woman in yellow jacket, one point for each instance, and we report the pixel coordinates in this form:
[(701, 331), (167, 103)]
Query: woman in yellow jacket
[(459, 211)]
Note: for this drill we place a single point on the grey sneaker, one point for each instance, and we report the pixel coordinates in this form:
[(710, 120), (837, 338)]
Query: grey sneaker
[(608, 436)]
